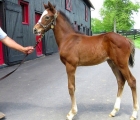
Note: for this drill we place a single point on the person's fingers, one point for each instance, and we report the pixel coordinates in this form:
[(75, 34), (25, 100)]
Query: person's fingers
[(28, 50)]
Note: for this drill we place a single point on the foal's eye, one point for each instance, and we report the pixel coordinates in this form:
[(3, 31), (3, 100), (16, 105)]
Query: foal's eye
[(47, 17)]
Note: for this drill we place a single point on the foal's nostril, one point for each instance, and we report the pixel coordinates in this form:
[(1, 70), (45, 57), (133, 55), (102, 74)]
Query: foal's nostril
[(35, 30)]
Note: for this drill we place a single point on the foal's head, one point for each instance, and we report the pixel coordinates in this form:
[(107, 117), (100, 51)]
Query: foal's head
[(47, 20)]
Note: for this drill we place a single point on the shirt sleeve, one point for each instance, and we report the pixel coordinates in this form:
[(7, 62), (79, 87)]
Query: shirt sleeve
[(2, 34)]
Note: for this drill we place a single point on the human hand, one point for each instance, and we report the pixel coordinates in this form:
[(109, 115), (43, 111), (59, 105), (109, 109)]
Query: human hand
[(28, 50)]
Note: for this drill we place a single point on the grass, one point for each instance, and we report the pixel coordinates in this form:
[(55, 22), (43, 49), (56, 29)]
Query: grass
[(137, 42)]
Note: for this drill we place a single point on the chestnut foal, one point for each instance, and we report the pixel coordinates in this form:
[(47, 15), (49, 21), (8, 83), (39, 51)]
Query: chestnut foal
[(81, 50)]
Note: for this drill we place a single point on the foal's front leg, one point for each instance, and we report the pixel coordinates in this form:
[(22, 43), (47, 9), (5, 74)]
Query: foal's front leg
[(71, 86)]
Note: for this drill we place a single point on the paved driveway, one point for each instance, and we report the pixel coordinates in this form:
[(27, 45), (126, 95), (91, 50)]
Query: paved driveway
[(38, 91)]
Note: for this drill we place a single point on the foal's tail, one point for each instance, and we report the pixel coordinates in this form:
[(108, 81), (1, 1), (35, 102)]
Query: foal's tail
[(132, 54)]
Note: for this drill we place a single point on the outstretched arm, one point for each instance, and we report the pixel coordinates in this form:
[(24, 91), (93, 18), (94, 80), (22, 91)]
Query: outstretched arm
[(12, 44)]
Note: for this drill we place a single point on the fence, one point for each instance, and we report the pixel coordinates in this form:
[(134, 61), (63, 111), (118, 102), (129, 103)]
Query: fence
[(132, 34)]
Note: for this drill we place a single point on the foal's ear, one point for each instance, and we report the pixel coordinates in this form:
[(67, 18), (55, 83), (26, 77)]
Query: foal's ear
[(50, 6), (45, 6)]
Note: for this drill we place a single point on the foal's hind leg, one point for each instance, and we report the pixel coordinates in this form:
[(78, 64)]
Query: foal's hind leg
[(121, 82), (71, 86), (132, 83), (2, 115)]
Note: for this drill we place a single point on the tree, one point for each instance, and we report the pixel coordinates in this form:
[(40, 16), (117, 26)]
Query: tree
[(117, 14), (96, 25)]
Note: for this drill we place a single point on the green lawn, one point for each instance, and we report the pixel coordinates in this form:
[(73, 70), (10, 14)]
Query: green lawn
[(137, 42)]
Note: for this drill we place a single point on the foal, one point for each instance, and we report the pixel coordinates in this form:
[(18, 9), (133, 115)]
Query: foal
[(81, 50)]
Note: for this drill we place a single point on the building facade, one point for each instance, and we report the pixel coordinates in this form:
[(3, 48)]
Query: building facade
[(17, 18)]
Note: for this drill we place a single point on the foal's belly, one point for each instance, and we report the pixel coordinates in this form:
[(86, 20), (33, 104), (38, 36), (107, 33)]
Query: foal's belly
[(88, 63), (88, 60)]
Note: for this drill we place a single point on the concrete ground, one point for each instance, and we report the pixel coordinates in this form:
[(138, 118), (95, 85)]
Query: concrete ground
[(38, 91)]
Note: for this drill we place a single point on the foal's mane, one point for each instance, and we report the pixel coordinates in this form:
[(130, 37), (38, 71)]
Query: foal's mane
[(68, 21), (65, 16)]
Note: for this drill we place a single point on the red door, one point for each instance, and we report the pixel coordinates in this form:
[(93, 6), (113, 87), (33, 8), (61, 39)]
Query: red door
[(1, 48), (39, 47)]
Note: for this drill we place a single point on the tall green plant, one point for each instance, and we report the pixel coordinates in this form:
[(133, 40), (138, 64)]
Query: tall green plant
[(96, 25), (117, 14)]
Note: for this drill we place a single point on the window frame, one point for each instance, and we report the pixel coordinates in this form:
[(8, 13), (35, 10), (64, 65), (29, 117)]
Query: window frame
[(25, 11), (86, 13), (68, 5)]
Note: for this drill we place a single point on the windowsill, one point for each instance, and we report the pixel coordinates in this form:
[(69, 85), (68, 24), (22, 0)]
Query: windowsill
[(25, 23), (68, 9)]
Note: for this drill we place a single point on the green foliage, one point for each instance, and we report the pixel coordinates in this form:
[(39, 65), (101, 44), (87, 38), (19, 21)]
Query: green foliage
[(117, 13), (96, 25), (137, 42)]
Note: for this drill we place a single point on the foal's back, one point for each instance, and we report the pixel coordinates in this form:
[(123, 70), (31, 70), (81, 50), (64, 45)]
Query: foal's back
[(92, 50)]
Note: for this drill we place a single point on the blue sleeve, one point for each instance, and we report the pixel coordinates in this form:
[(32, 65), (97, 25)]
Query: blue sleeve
[(2, 34)]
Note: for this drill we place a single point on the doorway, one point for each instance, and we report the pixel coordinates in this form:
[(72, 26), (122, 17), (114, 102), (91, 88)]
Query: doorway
[(1, 46)]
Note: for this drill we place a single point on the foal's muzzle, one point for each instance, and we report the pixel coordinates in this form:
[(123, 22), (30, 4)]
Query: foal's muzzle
[(35, 31)]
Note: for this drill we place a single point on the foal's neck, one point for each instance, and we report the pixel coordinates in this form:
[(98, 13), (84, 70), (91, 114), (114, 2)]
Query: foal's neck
[(62, 29)]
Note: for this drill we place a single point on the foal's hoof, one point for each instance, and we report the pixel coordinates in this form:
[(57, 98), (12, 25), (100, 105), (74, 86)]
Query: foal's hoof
[(110, 115), (2, 115), (132, 118), (68, 118)]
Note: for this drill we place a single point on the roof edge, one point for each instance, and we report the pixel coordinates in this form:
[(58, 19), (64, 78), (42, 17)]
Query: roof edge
[(91, 5)]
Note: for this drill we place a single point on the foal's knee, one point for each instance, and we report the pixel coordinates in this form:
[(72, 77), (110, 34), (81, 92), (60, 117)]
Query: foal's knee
[(71, 90), (132, 83)]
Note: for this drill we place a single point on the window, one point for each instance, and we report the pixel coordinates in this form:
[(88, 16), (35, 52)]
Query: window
[(87, 32), (68, 5), (75, 26), (83, 29), (25, 11), (79, 28), (86, 13)]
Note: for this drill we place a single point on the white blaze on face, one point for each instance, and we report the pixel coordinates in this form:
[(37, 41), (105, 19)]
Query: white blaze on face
[(44, 13)]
